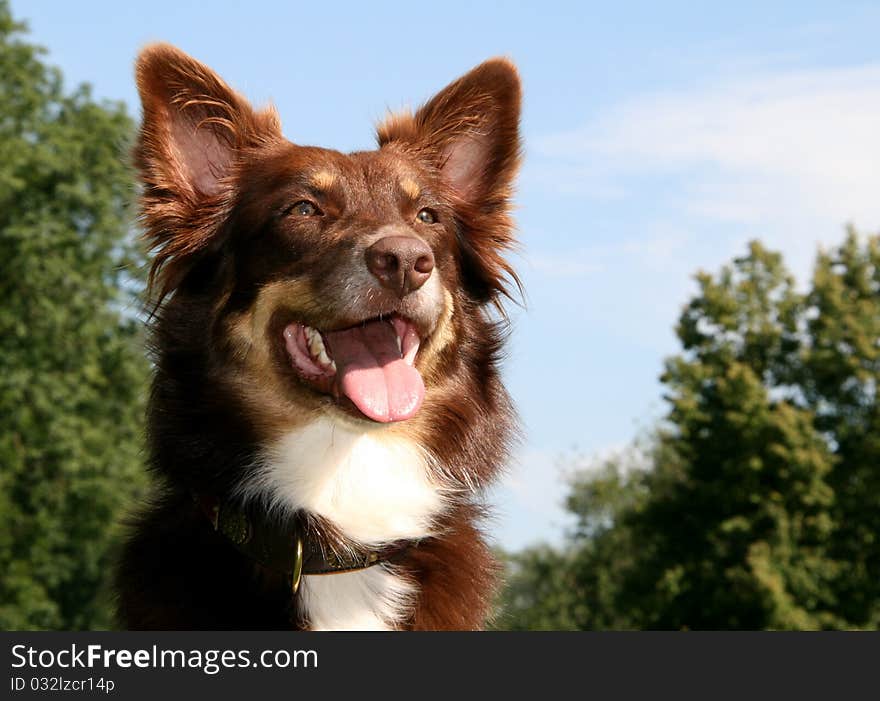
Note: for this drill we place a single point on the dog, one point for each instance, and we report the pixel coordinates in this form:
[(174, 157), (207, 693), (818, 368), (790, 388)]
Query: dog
[(327, 407)]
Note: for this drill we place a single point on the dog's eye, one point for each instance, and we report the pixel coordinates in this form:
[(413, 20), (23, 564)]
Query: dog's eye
[(304, 208), (427, 216)]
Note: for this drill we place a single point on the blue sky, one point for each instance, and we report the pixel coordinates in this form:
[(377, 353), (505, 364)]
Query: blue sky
[(660, 138)]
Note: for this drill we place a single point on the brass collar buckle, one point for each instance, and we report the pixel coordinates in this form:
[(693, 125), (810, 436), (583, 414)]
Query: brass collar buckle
[(296, 574)]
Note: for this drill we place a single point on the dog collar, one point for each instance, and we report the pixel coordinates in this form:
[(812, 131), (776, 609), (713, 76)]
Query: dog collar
[(287, 548)]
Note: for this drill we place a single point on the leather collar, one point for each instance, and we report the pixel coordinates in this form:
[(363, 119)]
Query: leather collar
[(289, 547)]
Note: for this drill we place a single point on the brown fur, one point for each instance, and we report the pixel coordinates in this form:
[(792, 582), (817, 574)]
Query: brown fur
[(232, 266)]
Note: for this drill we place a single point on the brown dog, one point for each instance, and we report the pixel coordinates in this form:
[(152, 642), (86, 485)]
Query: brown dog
[(327, 405)]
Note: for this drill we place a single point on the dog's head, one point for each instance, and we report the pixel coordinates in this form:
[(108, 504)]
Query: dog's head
[(309, 281)]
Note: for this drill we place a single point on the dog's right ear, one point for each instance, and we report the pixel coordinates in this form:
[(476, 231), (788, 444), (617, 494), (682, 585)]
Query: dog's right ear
[(194, 129)]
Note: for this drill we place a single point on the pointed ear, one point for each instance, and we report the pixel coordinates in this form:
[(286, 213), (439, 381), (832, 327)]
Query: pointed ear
[(194, 125), (194, 129), (470, 130)]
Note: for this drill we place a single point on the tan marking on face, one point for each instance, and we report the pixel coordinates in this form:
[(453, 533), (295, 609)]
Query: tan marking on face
[(443, 333), (275, 407), (249, 329), (296, 294), (411, 188), (323, 180)]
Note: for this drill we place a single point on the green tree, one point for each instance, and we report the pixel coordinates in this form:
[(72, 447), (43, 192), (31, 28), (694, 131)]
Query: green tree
[(738, 532), (761, 507), (73, 371), (541, 592), (840, 379)]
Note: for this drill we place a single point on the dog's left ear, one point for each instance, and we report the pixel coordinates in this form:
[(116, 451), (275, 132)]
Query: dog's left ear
[(470, 130)]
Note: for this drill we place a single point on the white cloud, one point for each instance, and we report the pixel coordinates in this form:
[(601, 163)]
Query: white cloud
[(563, 265), (529, 500), (789, 157), (628, 457), (535, 477)]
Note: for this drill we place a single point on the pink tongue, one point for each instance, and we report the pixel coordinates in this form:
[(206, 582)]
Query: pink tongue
[(371, 372)]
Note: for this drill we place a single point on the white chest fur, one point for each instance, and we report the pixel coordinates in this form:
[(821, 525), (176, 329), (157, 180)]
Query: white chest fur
[(375, 488)]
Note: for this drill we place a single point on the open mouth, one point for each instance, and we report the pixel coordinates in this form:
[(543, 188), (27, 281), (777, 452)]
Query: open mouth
[(372, 364)]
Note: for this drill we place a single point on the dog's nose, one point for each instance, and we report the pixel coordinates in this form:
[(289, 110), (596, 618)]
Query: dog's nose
[(401, 263)]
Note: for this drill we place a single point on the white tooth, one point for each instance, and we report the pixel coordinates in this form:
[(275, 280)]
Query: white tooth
[(316, 345), (399, 347), (323, 358), (333, 365), (410, 357)]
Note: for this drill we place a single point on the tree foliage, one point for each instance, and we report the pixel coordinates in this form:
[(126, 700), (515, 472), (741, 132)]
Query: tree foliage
[(761, 507), (73, 372)]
